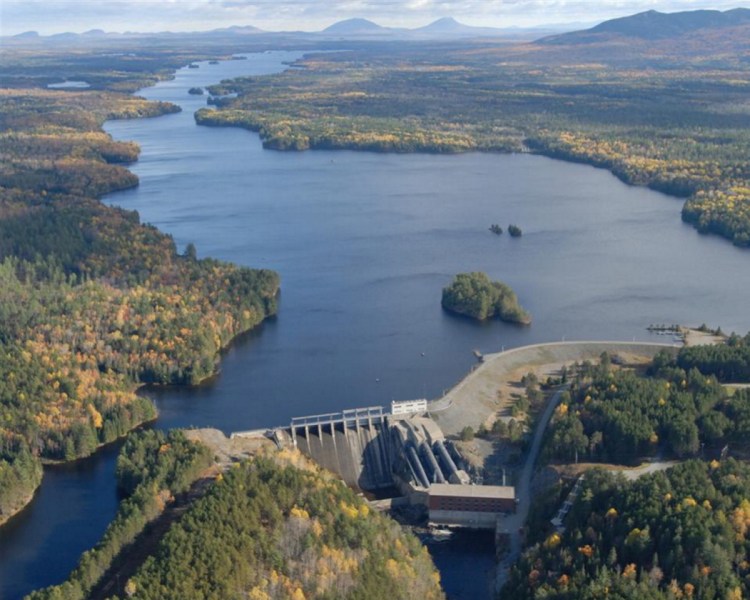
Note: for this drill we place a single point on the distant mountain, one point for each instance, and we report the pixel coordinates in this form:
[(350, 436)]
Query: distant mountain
[(355, 27), (449, 27), (27, 35), (68, 35), (444, 25), (656, 25), (239, 30), (653, 25)]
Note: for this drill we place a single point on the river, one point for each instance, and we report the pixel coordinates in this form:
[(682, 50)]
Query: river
[(364, 243)]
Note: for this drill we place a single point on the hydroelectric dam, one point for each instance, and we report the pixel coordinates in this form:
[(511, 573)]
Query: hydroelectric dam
[(403, 449), (380, 451)]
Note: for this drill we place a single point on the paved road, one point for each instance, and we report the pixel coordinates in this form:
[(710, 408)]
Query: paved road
[(513, 523), (652, 467)]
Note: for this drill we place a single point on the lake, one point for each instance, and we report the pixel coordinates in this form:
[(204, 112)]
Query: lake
[(364, 243)]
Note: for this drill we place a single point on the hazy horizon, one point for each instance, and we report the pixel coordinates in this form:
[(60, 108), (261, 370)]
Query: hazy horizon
[(49, 17)]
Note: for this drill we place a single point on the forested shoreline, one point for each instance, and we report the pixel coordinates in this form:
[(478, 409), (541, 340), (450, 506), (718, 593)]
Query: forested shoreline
[(93, 303), (153, 468), (667, 122), (292, 530)]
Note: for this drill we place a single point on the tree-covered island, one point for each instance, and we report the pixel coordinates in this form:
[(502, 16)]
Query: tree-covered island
[(476, 295)]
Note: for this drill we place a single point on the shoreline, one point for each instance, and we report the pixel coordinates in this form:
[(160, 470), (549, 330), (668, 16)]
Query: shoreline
[(206, 121), (165, 110), (52, 462), (474, 399), (527, 145), (27, 500)]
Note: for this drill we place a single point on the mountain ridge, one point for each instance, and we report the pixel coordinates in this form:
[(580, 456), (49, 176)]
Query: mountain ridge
[(653, 25), (444, 27)]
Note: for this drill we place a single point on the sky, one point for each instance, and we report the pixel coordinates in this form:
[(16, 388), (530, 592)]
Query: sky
[(57, 16)]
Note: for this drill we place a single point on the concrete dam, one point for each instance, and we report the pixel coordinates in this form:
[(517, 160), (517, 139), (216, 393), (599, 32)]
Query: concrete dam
[(371, 449), (356, 444)]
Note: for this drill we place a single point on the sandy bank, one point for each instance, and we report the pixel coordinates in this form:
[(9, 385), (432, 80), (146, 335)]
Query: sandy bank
[(488, 389)]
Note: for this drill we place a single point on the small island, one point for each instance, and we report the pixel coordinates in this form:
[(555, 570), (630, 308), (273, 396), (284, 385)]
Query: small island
[(476, 295), (496, 229), (196, 91), (514, 231)]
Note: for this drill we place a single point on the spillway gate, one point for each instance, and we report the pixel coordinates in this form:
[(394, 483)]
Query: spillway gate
[(354, 443)]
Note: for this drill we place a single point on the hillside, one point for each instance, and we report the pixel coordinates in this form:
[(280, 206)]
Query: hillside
[(682, 533), (275, 526), (291, 531), (354, 27), (653, 26)]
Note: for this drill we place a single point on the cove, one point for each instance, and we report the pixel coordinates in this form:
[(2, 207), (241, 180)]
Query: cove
[(364, 243)]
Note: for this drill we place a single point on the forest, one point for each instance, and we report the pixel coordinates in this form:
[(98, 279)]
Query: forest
[(278, 527), (476, 295), (676, 120), (681, 533), (618, 416), (93, 303), (152, 468), (728, 362), (275, 526)]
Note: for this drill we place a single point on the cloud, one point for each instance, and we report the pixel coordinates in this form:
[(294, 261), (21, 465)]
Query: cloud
[(52, 16)]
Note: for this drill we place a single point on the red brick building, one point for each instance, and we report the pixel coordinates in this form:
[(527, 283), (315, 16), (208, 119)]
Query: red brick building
[(470, 505)]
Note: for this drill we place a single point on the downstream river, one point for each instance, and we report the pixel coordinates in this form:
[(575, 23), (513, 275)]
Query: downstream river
[(364, 243)]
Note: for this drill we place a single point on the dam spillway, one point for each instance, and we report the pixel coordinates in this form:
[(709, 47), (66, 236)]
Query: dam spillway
[(372, 449), (356, 444)]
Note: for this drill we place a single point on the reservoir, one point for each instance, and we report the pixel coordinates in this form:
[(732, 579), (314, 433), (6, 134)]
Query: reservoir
[(364, 243)]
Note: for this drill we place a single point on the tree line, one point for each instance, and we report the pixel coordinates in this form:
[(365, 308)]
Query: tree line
[(682, 533)]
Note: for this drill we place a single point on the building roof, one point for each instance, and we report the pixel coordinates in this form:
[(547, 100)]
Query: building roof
[(473, 491)]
